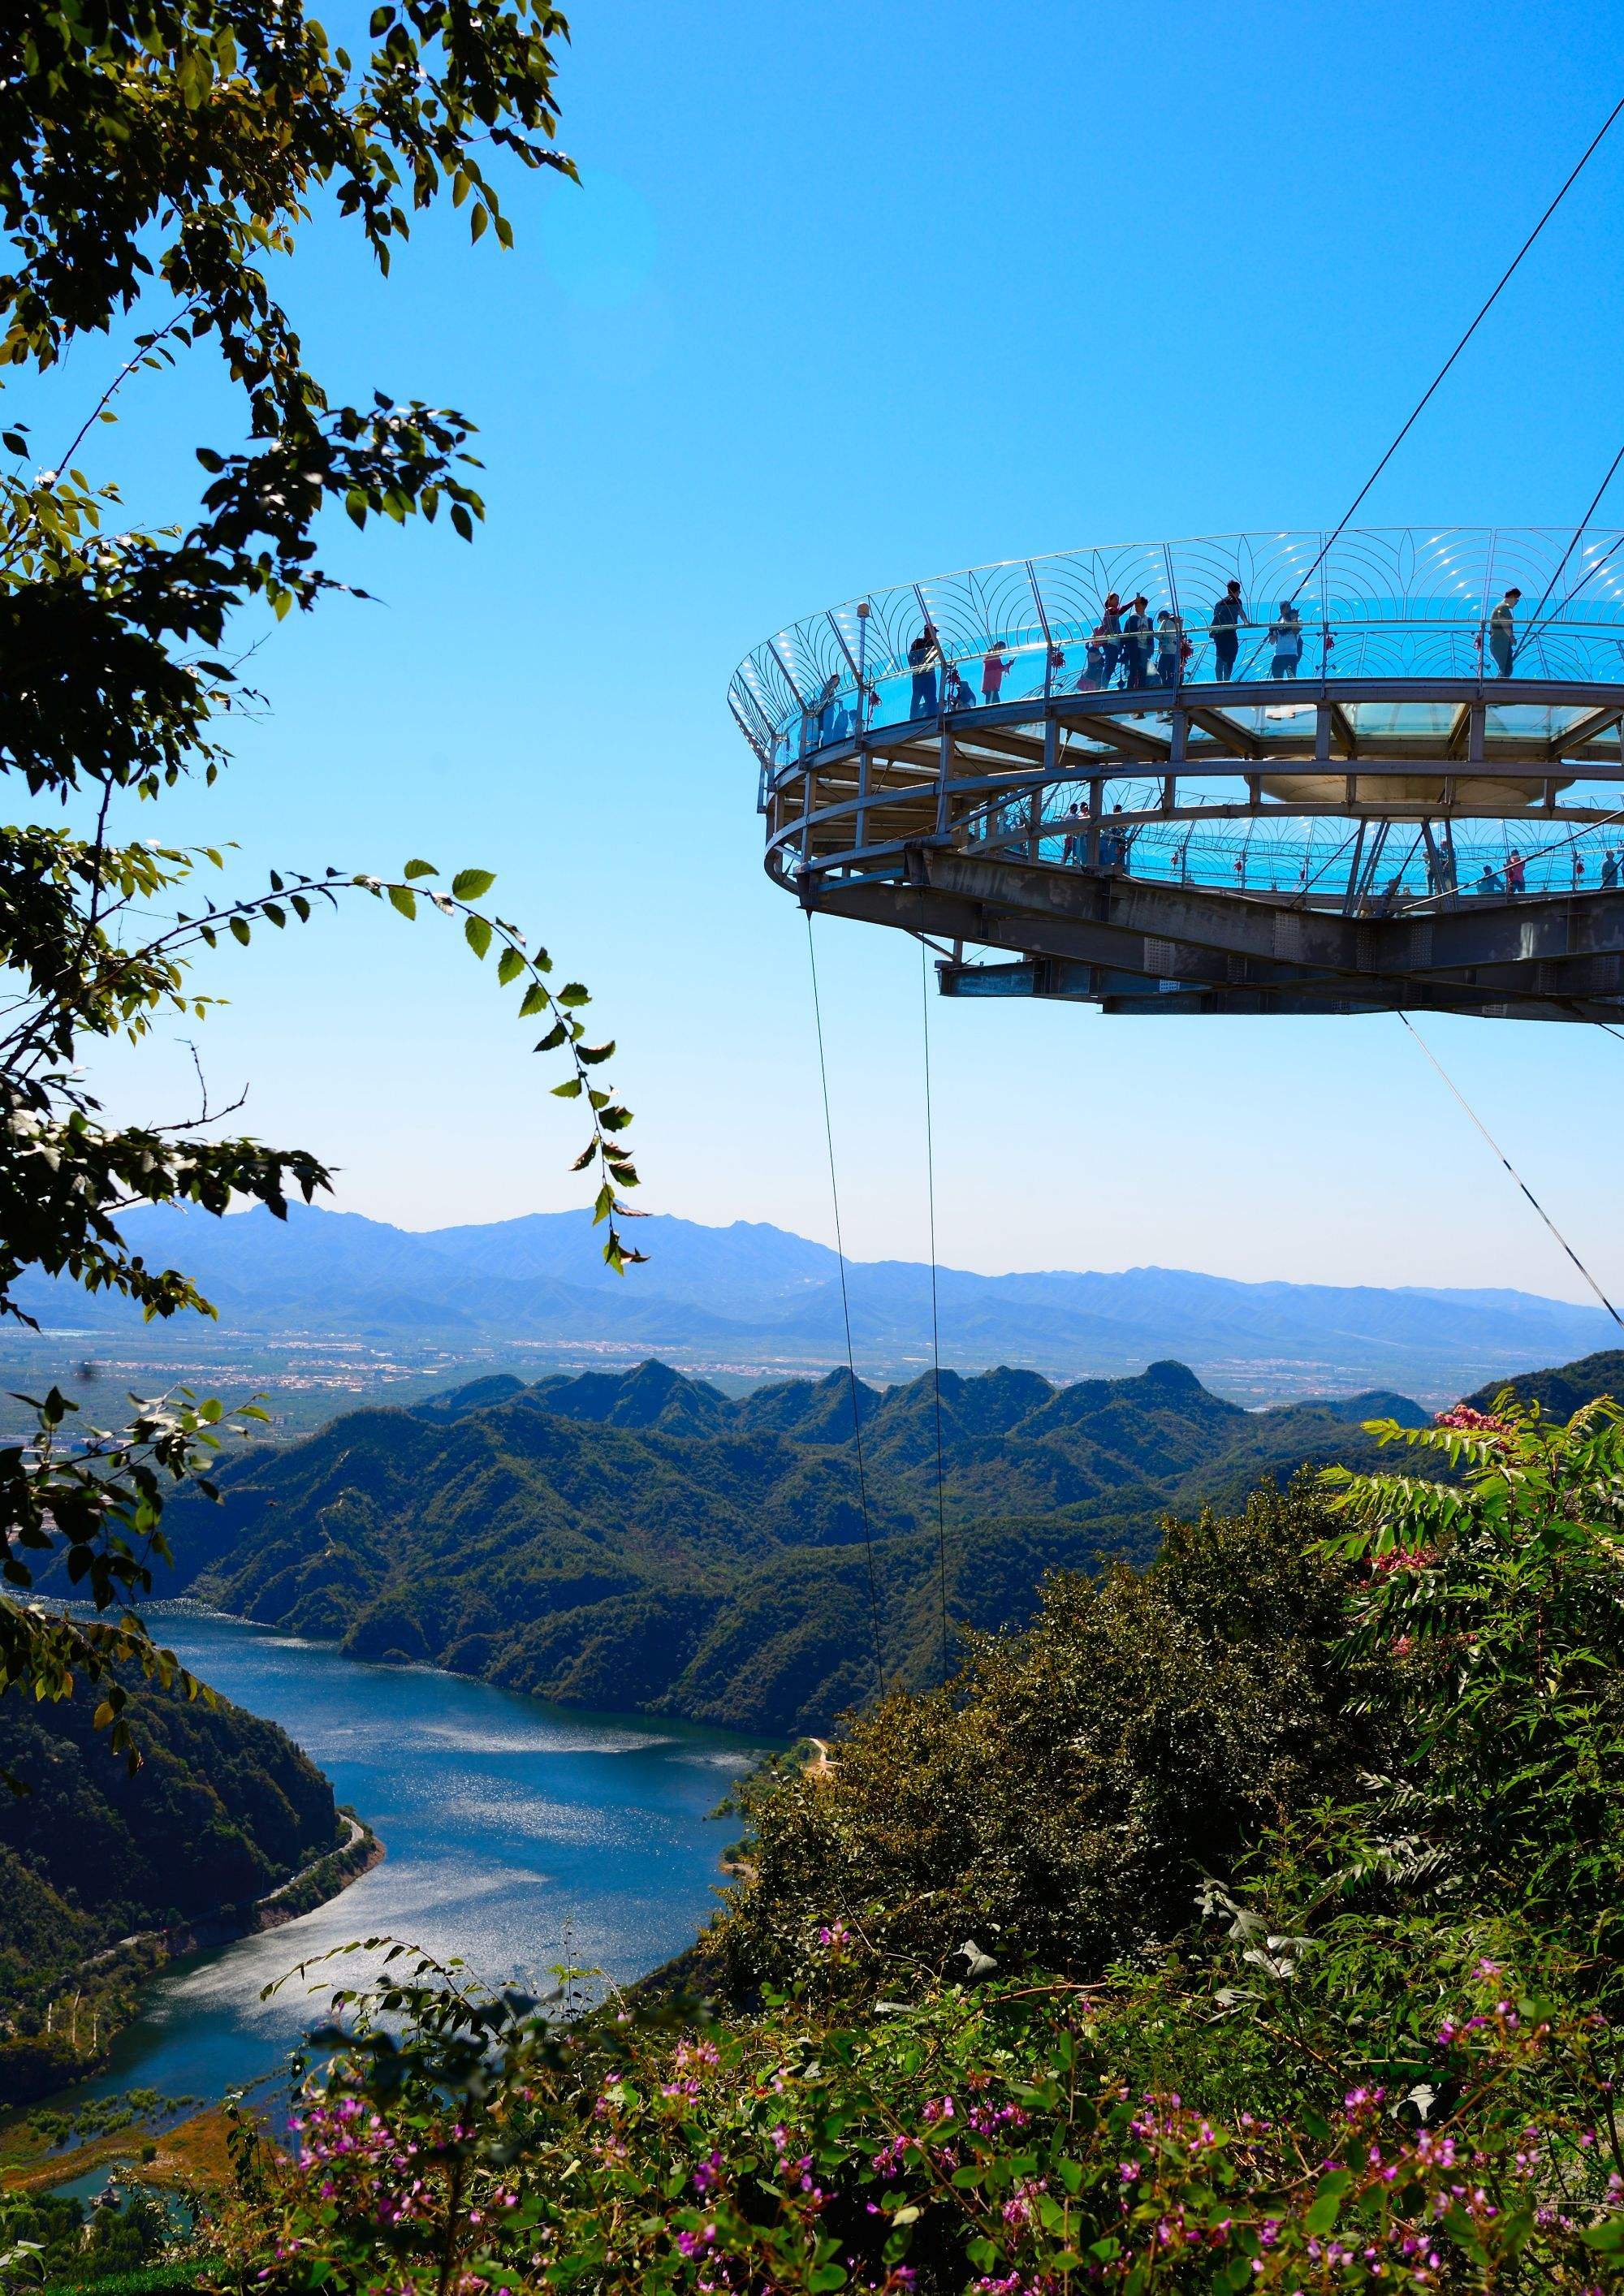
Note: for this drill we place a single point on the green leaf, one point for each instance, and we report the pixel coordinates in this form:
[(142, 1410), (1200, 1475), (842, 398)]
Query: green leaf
[(556, 1035), (591, 1055), (570, 1090), (573, 993), (476, 932), (1324, 2208), (535, 1001), (240, 931), (402, 898), (420, 869), (509, 966), (471, 884)]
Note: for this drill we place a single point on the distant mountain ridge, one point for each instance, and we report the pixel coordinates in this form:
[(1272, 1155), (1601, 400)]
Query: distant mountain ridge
[(641, 1539), (759, 1297)]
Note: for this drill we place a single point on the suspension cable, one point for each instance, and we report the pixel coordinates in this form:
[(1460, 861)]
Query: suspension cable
[(851, 1367), (1482, 313), (935, 1346), (1511, 1168), (1533, 620)]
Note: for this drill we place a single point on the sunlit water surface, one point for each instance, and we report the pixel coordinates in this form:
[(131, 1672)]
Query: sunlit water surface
[(519, 1834)]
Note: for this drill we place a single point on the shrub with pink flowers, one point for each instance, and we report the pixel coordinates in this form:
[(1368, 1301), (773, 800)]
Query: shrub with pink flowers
[(1378, 2052), (1014, 2140)]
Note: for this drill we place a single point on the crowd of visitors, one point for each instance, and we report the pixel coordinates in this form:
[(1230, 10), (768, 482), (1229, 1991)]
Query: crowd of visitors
[(1133, 651), (1130, 649)]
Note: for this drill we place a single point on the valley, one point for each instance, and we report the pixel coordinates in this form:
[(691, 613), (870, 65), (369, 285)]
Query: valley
[(641, 1540)]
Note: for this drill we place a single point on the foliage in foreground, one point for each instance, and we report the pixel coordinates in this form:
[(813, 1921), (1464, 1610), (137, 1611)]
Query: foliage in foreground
[(1378, 2050), (1025, 2137), (157, 160), (50, 2243)]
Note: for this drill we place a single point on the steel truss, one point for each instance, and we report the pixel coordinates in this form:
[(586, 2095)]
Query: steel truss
[(1011, 830)]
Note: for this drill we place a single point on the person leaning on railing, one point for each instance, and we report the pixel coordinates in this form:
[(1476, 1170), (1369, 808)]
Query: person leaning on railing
[(1138, 635), (995, 667), (924, 657), (1285, 637), (1173, 649)]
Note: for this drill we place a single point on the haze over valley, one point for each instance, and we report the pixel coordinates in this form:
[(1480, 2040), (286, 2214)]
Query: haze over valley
[(329, 1305)]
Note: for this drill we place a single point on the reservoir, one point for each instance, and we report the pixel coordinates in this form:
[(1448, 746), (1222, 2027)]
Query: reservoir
[(519, 1835)]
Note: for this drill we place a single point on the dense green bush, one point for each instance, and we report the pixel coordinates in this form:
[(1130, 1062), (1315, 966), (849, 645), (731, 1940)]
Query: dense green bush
[(1063, 1798)]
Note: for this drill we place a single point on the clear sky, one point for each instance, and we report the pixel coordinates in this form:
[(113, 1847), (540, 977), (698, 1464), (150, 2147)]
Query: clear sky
[(849, 295)]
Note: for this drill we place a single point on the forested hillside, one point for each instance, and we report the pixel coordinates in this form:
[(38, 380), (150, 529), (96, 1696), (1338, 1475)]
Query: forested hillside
[(223, 1808), (642, 1540), (1561, 1389)]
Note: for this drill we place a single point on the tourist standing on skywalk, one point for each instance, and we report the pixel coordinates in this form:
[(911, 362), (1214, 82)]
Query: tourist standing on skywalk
[(1227, 616)]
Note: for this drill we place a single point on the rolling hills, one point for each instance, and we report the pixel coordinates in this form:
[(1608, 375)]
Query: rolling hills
[(641, 1539)]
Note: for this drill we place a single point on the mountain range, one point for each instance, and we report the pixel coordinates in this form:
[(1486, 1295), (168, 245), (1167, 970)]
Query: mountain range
[(751, 1299), (640, 1539)]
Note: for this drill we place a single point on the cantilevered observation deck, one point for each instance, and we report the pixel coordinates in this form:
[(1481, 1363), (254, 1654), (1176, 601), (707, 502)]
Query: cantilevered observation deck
[(1399, 823)]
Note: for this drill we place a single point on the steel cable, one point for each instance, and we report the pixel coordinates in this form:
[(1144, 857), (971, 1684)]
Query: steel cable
[(851, 1367), (1511, 1168), (1482, 313), (936, 1349)]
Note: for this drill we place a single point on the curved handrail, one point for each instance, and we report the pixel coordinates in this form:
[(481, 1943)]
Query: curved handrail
[(1383, 603)]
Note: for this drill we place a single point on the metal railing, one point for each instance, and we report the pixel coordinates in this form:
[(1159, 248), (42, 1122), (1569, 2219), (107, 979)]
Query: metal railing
[(1485, 605), (1370, 867)]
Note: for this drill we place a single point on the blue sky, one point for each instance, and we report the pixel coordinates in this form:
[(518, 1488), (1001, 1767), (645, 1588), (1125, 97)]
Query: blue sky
[(851, 295)]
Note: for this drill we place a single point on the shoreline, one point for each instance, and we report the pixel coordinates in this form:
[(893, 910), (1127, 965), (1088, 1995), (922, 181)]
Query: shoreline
[(223, 1925), (649, 1717), (148, 1951)]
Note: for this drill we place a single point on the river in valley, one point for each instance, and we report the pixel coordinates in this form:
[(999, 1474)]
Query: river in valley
[(518, 1835)]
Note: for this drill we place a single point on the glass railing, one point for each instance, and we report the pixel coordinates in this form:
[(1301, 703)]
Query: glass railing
[(1370, 868), (1490, 606)]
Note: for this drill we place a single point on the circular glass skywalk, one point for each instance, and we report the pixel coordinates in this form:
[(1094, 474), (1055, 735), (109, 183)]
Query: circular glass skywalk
[(1405, 729)]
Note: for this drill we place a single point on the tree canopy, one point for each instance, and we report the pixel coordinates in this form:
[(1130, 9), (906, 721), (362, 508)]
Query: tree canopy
[(158, 161)]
